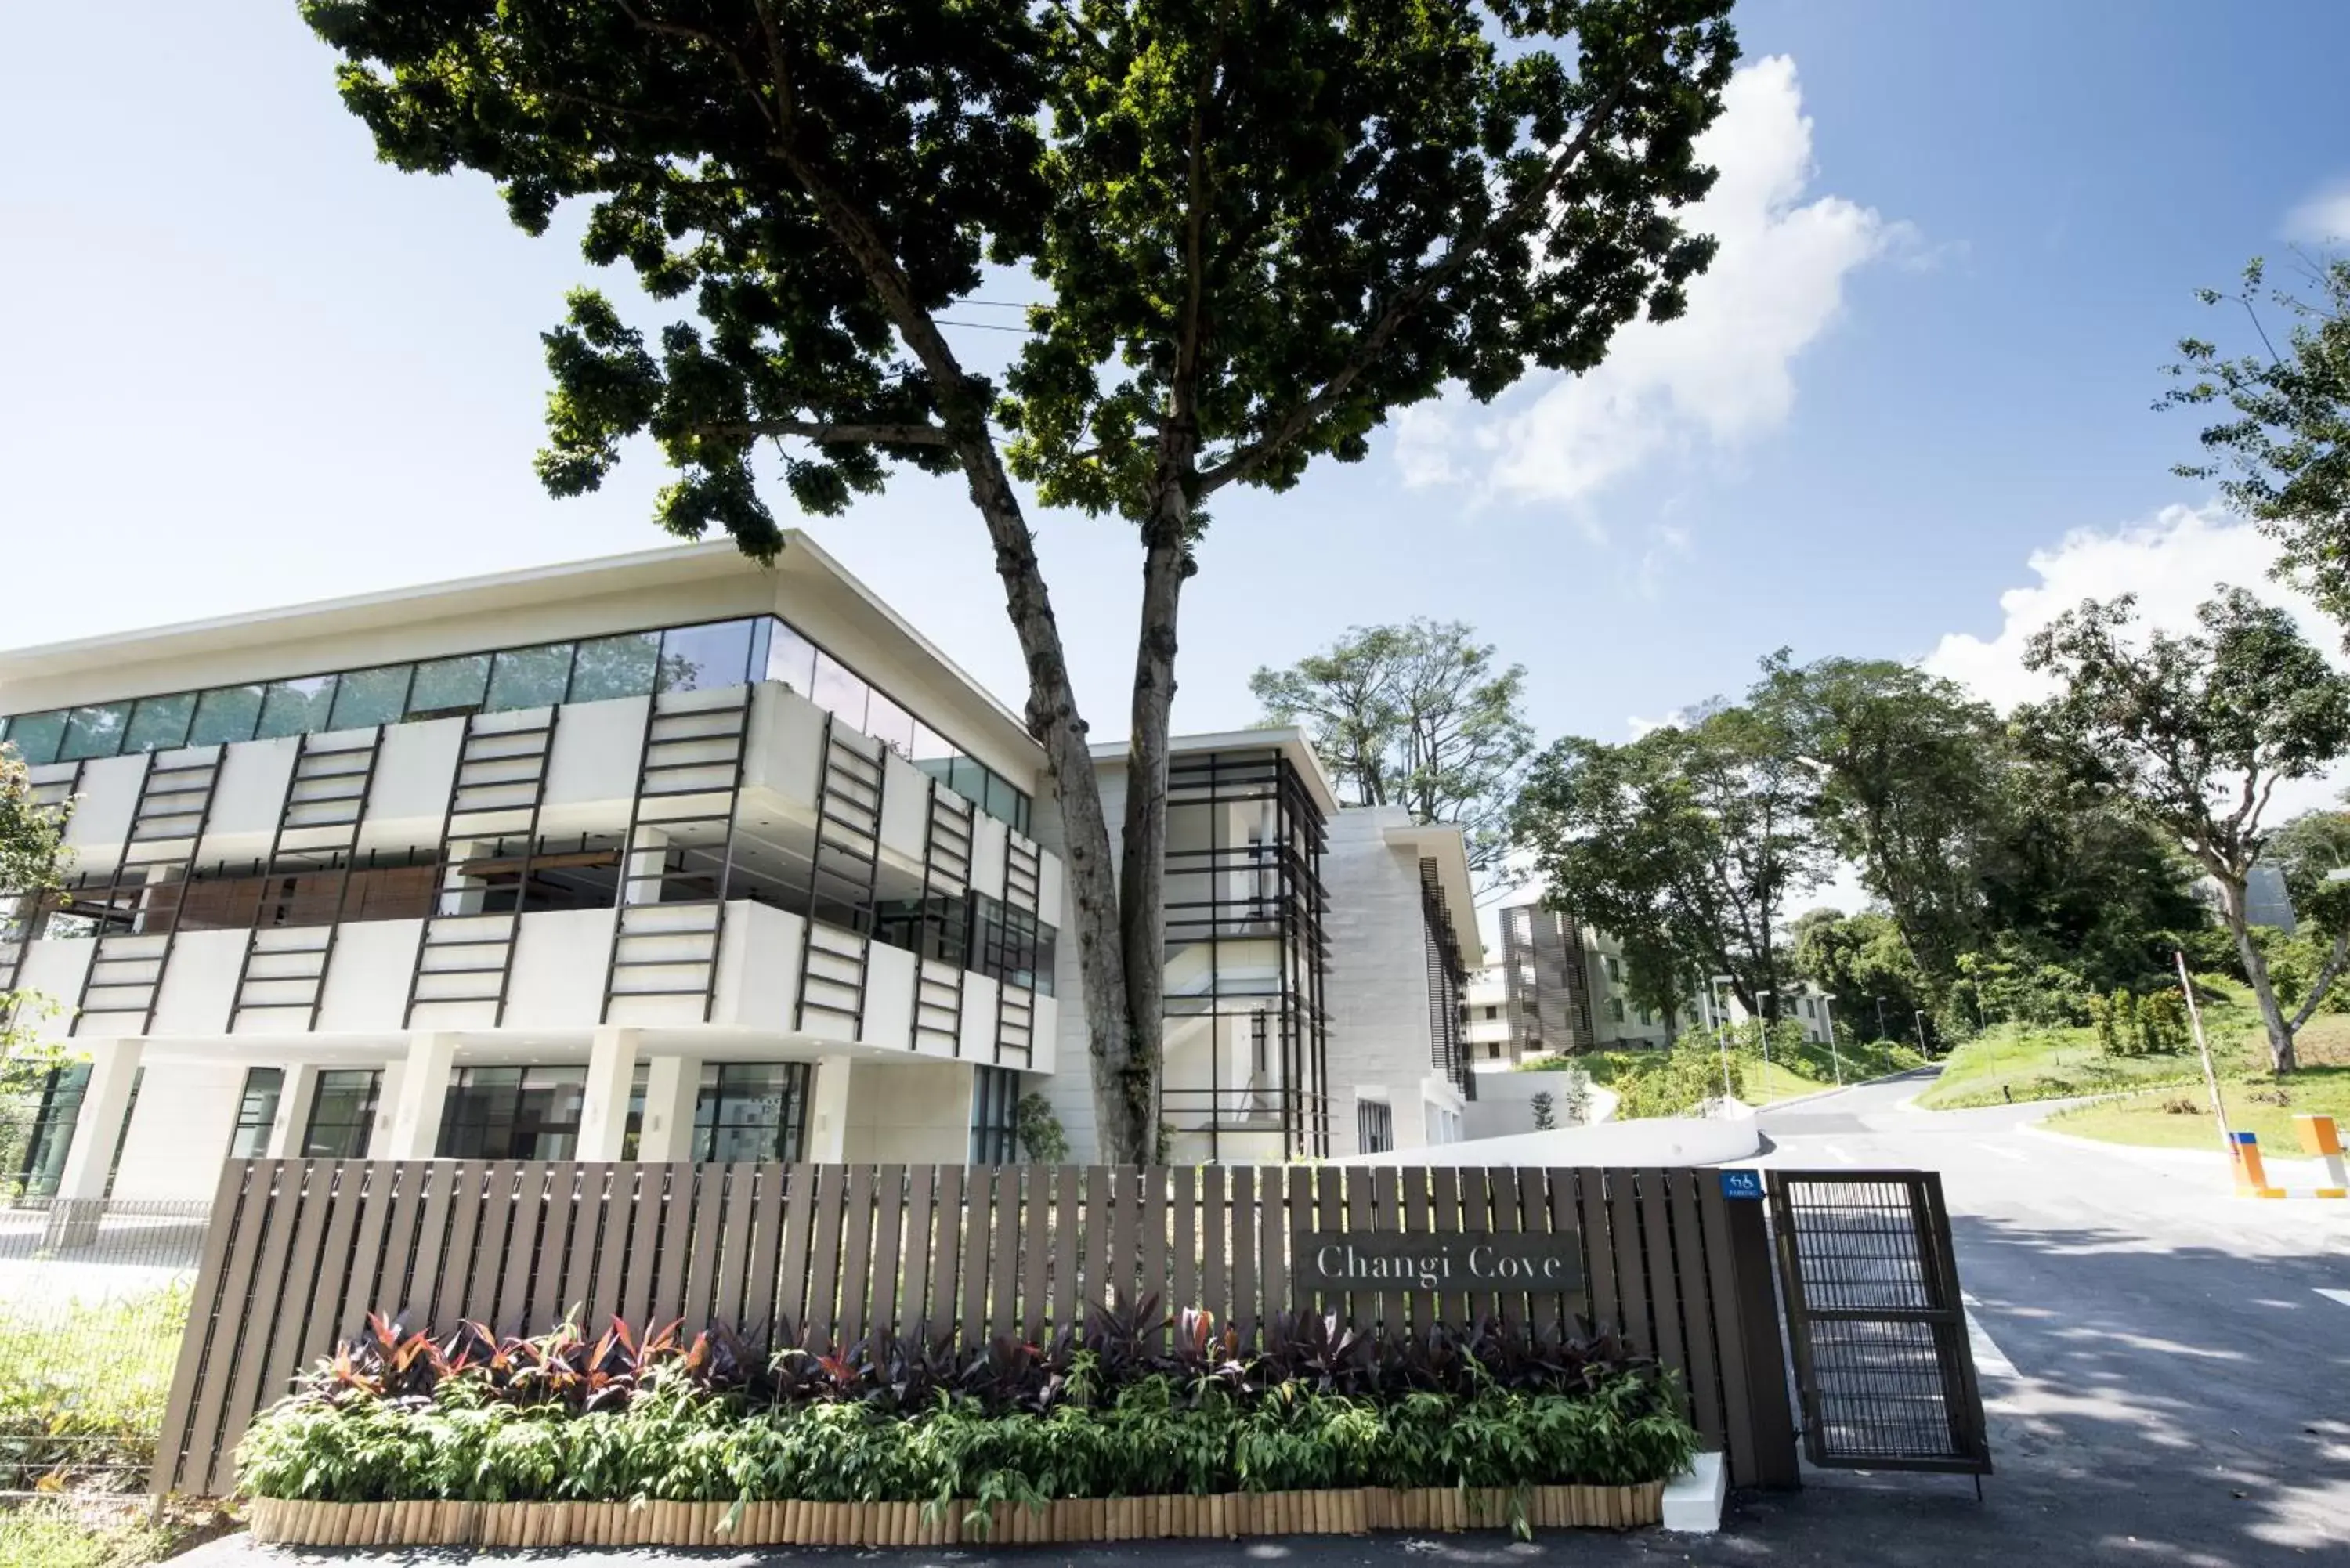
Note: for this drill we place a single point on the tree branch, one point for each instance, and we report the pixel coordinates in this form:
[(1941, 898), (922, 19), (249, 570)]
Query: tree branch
[(2323, 982), (916, 434), (1246, 460)]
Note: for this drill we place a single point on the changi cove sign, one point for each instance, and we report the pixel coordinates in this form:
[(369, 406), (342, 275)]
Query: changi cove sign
[(1356, 1260)]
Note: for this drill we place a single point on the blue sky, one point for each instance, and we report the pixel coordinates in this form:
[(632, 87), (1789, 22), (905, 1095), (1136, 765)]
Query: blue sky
[(249, 366)]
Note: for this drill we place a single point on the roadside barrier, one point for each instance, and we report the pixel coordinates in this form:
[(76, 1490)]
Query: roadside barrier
[(2318, 1136)]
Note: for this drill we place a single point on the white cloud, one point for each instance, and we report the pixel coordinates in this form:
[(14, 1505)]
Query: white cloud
[(1423, 446), (2171, 563), (1722, 372), (2325, 217)]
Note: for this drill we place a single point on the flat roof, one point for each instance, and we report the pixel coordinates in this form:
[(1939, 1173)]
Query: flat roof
[(1286, 739)]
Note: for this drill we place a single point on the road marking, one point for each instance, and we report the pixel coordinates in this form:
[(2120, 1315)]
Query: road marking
[(2342, 1297), (1842, 1155), (2002, 1153), (1989, 1358)]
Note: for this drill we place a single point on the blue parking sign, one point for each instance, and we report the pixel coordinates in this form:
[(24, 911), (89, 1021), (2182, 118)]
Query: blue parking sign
[(1741, 1184)]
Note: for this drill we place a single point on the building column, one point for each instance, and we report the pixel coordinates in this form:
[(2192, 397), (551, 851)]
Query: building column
[(293, 1102), (672, 1084), (604, 1107), (828, 1114), (417, 1099), (113, 1065)]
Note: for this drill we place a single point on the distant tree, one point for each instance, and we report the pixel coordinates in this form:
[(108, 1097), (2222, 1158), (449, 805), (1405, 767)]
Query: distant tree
[(1417, 715), (2194, 732), (1909, 790), (1258, 231), (1860, 959), (32, 860), (1543, 1117), (2308, 850), (2282, 456), (1688, 841)]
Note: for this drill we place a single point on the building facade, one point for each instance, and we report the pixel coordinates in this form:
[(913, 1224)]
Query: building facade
[(668, 856)]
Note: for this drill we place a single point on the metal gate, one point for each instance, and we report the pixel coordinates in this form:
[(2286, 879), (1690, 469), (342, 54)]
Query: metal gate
[(1876, 1322)]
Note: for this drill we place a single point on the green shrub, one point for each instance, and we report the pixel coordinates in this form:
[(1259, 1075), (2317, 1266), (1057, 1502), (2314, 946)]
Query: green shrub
[(1677, 1082), (82, 1389)]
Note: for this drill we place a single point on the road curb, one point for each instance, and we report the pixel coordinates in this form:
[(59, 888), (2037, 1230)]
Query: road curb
[(1838, 1089)]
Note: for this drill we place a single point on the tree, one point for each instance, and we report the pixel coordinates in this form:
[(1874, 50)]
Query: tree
[(1416, 715), (2308, 851), (2282, 457), (1908, 770), (1688, 842), (2194, 732), (1862, 961), (32, 860), (1545, 1117), (1260, 232)]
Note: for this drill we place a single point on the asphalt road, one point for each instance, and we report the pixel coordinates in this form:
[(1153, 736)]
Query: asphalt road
[(2166, 1381)]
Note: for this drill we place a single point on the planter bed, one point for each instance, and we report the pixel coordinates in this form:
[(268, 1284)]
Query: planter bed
[(1348, 1511)]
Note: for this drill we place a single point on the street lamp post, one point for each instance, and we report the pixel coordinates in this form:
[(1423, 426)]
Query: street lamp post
[(1918, 1017), (1880, 1018)]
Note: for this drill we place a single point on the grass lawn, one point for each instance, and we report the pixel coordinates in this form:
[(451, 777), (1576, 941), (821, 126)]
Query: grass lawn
[(82, 1390), (1809, 1070), (2011, 1061), (58, 1533), (2181, 1118)]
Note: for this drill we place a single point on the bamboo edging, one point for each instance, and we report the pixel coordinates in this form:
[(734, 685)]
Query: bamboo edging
[(1352, 1512)]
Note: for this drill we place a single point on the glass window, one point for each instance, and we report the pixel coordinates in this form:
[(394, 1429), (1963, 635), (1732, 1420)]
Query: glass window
[(838, 691), (50, 1137), (994, 1115), (969, 780), (632, 1131), (36, 736), (609, 666), (446, 686), (890, 724), (295, 707), (511, 1112), (529, 678), (367, 698), (749, 1110), (342, 1116), (226, 713), (791, 659), (94, 731), (929, 746), (256, 1112), (697, 657), (1003, 801), (161, 722)]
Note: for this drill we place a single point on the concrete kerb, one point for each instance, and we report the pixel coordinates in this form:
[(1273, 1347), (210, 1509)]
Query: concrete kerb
[(2214, 1162), (1693, 1500), (1838, 1089)]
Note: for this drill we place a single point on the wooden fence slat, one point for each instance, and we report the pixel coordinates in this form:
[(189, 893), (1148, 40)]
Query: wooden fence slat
[(420, 1304), (1094, 1241), (1555, 1310), (558, 1225), (1386, 1214), (754, 1308), (676, 1230), (612, 1251), (375, 1182), (1184, 1279), (1663, 1299), (799, 1234), (1067, 1311), (1004, 1255), (857, 1256), (395, 1278), (1274, 1185), (1213, 1294), (1151, 1253), (1509, 1305), (1035, 1250), (822, 1322), (888, 1232), (1444, 1220), (921, 1197), (204, 1324), (249, 1369), (1631, 1266), (1420, 1304), (1602, 1301), (1124, 1228), (1363, 1305), (1330, 1214), (709, 1229), (1241, 1192), (1476, 1220), (979, 1196), (1738, 1443), (212, 1435), (638, 1285), (1697, 1305), (528, 1212), (946, 1250), (281, 1352), (591, 1208)]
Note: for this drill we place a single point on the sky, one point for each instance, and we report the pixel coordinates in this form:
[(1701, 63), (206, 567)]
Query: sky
[(1908, 414)]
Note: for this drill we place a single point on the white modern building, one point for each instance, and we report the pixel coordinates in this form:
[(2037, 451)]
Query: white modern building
[(670, 856)]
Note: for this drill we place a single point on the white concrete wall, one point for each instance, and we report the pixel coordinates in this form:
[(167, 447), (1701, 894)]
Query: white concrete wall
[(1378, 987), (557, 980), (198, 984), (366, 983), (179, 1129), (889, 1016), (918, 1112), (759, 968), (1663, 1140)]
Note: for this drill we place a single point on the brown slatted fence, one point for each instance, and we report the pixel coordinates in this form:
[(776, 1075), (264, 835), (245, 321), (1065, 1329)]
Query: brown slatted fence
[(300, 1251)]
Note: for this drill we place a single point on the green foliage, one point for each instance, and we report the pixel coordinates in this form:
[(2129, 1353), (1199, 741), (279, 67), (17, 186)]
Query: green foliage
[(58, 1533), (2282, 452), (1858, 959), (1101, 1415), (1416, 715), (2192, 734), (1546, 1118), (33, 858), (1041, 1137), (1677, 1082), (82, 1389), (1684, 844)]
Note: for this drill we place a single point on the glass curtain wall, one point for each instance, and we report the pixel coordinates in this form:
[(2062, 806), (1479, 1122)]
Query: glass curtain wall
[(342, 1115), (1246, 1056)]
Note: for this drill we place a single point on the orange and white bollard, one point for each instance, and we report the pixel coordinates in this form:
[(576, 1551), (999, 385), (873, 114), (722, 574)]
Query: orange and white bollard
[(2251, 1179), (2319, 1137)]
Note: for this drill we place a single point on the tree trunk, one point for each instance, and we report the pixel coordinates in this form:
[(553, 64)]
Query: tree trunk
[(2256, 970), (2327, 976), (1127, 1098), (1053, 719)]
